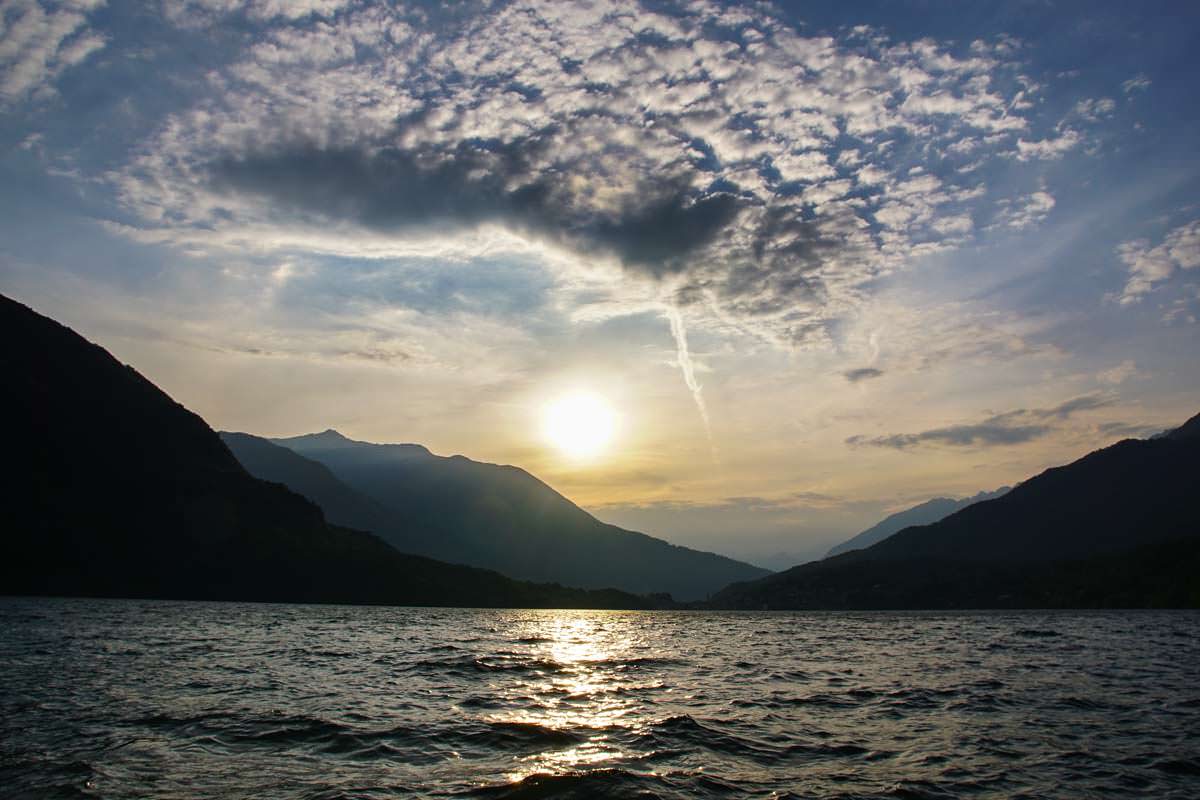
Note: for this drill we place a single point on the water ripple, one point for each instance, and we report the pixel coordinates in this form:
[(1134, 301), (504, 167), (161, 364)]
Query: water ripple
[(125, 699)]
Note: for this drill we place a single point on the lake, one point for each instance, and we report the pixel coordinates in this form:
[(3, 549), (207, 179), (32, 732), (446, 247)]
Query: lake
[(125, 699)]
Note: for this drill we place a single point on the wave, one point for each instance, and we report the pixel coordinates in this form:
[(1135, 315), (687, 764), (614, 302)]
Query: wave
[(682, 731), (640, 662), (320, 735), (506, 734), (679, 711), (468, 664), (1035, 633), (602, 784), (1179, 766)]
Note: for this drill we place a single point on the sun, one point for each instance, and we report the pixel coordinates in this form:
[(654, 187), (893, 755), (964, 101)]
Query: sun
[(580, 425)]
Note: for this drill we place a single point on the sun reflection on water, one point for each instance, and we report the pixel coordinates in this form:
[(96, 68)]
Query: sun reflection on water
[(585, 690)]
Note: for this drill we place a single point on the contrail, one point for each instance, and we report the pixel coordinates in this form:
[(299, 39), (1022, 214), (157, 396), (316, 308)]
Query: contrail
[(684, 357), (873, 343), (1015, 100)]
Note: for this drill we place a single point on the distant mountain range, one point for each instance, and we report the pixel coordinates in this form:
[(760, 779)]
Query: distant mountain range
[(114, 489), (486, 515), (1120, 527), (928, 512), (117, 490)]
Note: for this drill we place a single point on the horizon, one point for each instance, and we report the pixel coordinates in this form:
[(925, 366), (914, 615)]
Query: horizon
[(747, 279)]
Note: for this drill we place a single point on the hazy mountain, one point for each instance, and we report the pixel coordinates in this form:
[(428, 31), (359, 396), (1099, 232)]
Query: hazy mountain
[(1118, 527), (928, 512), (342, 504), (117, 490), (487, 515), (271, 462)]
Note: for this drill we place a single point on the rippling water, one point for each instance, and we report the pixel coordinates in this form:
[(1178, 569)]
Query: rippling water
[(155, 699)]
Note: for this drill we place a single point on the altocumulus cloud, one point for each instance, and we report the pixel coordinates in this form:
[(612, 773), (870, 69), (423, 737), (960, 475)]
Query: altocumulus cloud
[(716, 154), (38, 41), (1011, 427), (1150, 265)]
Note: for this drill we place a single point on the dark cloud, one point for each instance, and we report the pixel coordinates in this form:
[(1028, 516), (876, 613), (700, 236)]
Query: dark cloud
[(748, 163), (392, 189), (1009, 428), (1085, 403), (985, 434), (862, 374)]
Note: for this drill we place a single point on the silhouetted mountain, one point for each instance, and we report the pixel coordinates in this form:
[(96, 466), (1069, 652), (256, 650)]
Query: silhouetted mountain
[(486, 515), (928, 512), (1189, 430), (311, 479), (1118, 527), (114, 489)]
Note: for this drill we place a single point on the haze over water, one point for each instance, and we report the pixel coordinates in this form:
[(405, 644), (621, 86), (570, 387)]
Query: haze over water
[(124, 699)]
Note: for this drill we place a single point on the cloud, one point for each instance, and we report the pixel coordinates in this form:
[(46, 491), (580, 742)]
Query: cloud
[(1185, 307), (914, 334), (1128, 430), (720, 156), (986, 433), (194, 13), (1050, 148), (393, 190), (1009, 428), (862, 374), (38, 41), (1150, 265), (1065, 410), (1094, 109), (1120, 373), (1024, 212), (1138, 83)]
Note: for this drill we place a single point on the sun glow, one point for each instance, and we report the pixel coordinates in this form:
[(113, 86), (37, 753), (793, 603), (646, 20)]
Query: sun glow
[(580, 425)]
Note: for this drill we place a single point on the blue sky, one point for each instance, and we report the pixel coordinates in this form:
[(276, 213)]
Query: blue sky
[(823, 260)]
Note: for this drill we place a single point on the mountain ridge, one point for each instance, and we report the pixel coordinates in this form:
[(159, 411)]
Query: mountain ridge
[(124, 492), (502, 517), (1089, 533), (930, 511)]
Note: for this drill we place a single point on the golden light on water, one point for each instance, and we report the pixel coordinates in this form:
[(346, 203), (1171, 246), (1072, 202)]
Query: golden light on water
[(587, 690), (580, 425)]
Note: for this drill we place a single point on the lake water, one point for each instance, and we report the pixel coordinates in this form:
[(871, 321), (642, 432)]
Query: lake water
[(124, 699)]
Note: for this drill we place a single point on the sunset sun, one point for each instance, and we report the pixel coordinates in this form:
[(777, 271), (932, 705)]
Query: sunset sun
[(579, 425)]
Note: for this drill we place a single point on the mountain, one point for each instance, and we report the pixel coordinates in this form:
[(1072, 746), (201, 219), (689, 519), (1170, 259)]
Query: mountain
[(463, 511), (1118, 527), (1188, 431), (341, 504), (114, 489), (928, 512)]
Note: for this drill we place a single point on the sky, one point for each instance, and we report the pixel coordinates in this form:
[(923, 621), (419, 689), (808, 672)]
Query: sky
[(820, 261)]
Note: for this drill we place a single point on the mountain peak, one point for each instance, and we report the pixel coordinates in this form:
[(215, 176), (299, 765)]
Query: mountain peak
[(326, 439), (332, 440), (1188, 430)]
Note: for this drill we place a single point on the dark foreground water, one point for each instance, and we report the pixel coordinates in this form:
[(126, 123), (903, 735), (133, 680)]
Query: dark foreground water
[(154, 699)]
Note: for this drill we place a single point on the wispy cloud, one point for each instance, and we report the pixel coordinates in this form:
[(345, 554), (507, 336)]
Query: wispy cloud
[(1009, 428), (1025, 212), (1128, 430)]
